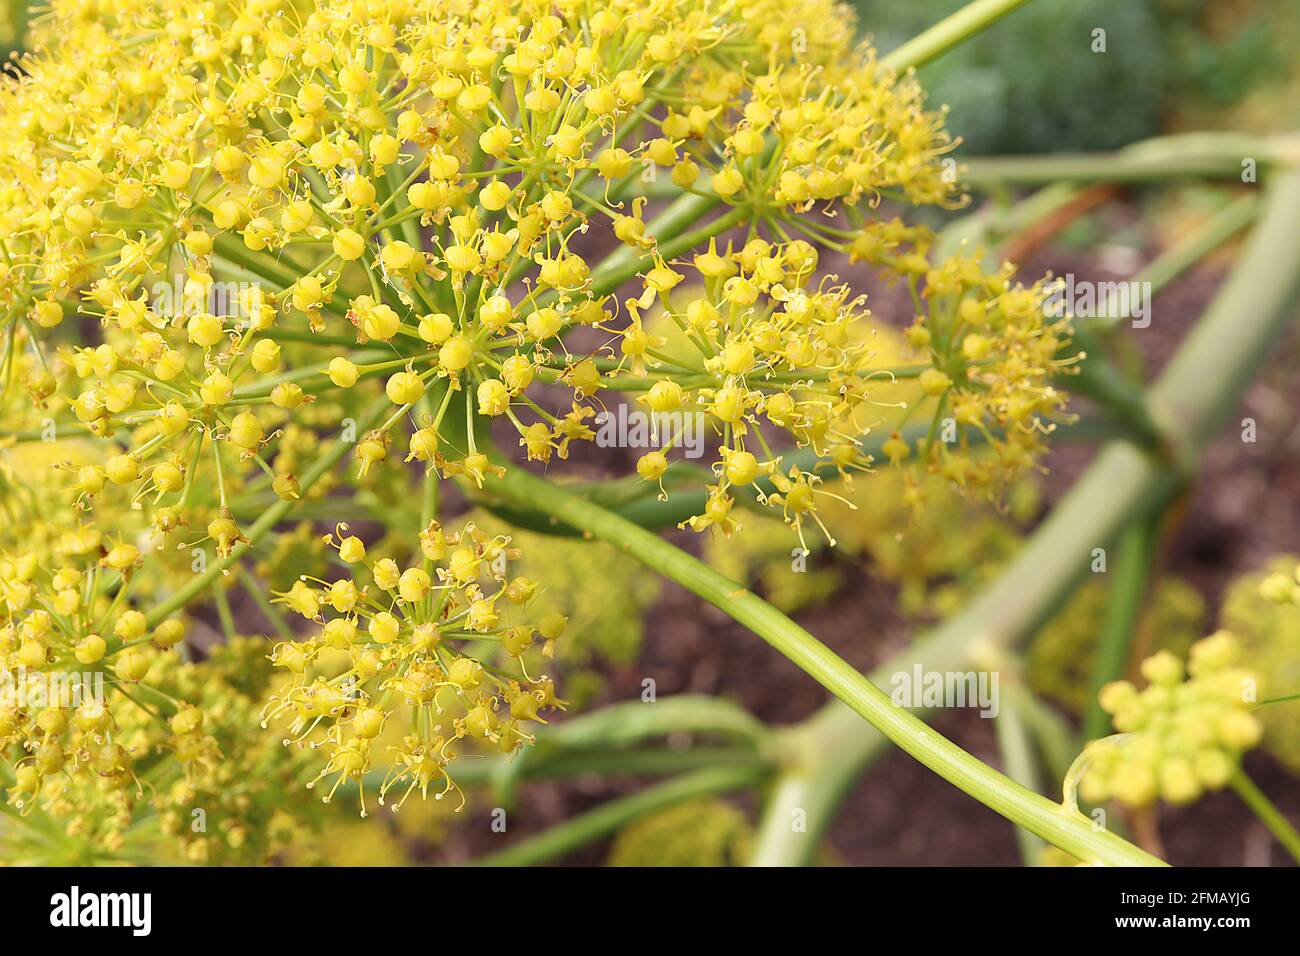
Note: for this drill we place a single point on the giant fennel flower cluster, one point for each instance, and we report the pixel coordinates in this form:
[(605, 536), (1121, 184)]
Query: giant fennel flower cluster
[(1182, 735), (243, 239)]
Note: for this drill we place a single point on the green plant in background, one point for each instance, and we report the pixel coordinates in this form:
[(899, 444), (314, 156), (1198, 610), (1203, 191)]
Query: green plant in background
[(1063, 655), (1047, 82), (13, 26), (706, 832), (1219, 51), (1036, 84)]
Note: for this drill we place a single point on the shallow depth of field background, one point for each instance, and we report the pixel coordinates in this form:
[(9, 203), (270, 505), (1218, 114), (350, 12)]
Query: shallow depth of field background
[(1031, 84)]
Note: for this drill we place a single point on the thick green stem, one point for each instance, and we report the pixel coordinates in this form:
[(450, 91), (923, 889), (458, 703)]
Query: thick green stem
[(1202, 386), (1098, 377), (1036, 813), (1131, 570), (1268, 814), (1212, 155), (612, 816), (948, 33)]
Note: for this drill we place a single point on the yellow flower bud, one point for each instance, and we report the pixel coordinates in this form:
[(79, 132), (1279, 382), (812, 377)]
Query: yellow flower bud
[(456, 353), (90, 649), (122, 469), (342, 372), (727, 182), (352, 550), (265, 356), (131, 666), (493, 397), (934, 382), (348, 244), (245, 431), (404, 388), (169, 633), (436, 327)]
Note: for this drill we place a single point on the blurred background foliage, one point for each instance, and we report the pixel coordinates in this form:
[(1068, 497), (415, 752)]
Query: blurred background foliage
[(13, 25), (705, 832), (1035, 85)]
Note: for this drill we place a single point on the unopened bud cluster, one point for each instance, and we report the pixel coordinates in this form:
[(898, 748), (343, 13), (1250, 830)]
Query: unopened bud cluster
[(1181, 735)]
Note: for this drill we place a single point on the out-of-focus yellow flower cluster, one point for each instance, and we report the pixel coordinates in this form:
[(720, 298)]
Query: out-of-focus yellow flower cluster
[(1281, 587), (703, 832), (1184, 734)]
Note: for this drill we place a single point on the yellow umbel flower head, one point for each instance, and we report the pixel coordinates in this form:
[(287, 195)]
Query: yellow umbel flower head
[(1180, 736), (393, 648)]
